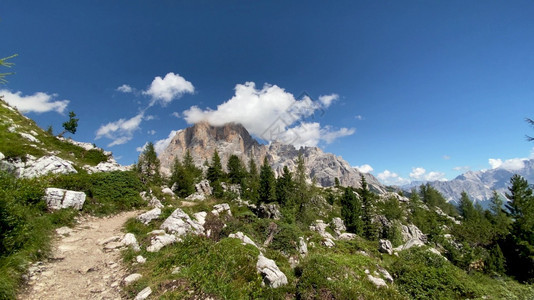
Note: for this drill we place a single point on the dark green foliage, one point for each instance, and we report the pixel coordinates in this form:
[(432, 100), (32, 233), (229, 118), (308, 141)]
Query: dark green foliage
[(351, 210), (182, 180), (498, 217), (284, 187), (94, 156), (148, 166), (421, 274), (215, 171), (267, 190), (433, 198), (252, 183), (286, 239), (4, 63), (391, 209), (336, 182), (71, 125), (25, 228), (495, 263), (107, 192), (519, 246), (301, 187), (236, 170), (531, 122), (190, 166), (367, 199), (466, 208)]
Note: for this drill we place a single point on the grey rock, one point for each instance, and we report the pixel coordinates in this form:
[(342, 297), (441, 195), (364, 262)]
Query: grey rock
[(130, 240), (140, 259), (132, 278), (220, 208), (150, 215), (346, 236), (412, 232), (269, 211), (377, 281), (143, 294), (328, 243), (60, 198), (272, 276), (320, 226), (159, 241), (385, 274), (233, 139), (179, 223), (244, 238), (167, 191), (385, 246), (303, 247), (338, 226), (33, 167)]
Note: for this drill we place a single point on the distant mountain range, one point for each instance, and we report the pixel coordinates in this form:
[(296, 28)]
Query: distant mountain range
[(479, 185), (202, 139)]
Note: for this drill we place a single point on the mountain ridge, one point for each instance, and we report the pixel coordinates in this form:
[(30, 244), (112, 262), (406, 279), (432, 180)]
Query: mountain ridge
[(202, 139)]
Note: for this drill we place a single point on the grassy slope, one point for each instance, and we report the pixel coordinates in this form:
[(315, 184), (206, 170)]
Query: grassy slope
[(222, 268), (12, 144)]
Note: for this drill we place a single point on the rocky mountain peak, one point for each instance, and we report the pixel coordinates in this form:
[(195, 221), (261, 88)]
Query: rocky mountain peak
[(202, 139)]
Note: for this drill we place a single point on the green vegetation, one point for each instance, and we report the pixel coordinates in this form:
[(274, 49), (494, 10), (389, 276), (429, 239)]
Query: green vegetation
[(71, 125)]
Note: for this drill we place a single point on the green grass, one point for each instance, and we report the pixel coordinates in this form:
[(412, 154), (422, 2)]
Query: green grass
[(13, 145), (25, 229)]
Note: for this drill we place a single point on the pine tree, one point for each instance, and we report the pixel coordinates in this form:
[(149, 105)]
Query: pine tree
[(236, 171), (520, 242), (267, 190), (466, 208), (215, 175), (351, 210), (284, 187), (252, 182), (190, 167), (499, 219), (182, 179), (301, 186), (367, 198), (148, 165)]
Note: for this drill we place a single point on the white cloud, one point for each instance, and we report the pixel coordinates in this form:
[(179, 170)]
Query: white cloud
[(151, 132), (421, 174), (171, 87), (142, 148), (38, 103), (326, 100), (176, 114), (512, 164), (359, 117), (125, 89), (150, 117), (160, 145), (120, 131), (390, 178), (364, 168), (269, 113)]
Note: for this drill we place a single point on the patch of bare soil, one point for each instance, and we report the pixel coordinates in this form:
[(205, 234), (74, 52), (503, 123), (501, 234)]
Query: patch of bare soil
[(81, 266)]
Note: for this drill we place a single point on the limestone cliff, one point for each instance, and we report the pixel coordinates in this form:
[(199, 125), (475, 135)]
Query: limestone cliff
[(202, 139)]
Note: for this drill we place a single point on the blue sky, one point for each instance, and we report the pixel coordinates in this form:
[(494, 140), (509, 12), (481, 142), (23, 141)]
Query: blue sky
[(414, 89)]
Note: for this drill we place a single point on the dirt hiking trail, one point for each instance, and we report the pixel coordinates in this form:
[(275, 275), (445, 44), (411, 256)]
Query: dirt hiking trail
[(81, 266)]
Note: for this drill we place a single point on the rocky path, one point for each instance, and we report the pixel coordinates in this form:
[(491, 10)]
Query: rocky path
[(82, 265)]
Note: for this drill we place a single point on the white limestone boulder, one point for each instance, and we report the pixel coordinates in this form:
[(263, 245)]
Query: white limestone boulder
[(272, 276), (59, 198)]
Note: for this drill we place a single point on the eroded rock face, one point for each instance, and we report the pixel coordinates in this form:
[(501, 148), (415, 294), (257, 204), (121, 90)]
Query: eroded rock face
[(412, 232), (385, 247), (269, 211), (59, 198), (272, 276), (243, 237), (179, 223), (150, 215), (106, 166), (33, 167), (338, 226), (233, 139), (320, 227), (159, 241)]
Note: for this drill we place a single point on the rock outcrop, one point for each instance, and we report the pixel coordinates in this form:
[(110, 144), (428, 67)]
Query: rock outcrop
[(34, 167), (272, 276), (203, 139), (60, 198)]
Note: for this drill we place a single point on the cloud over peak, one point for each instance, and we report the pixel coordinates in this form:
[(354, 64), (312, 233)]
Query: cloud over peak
[(272, 114), (120, 131), (171, 87), (37, 103)]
